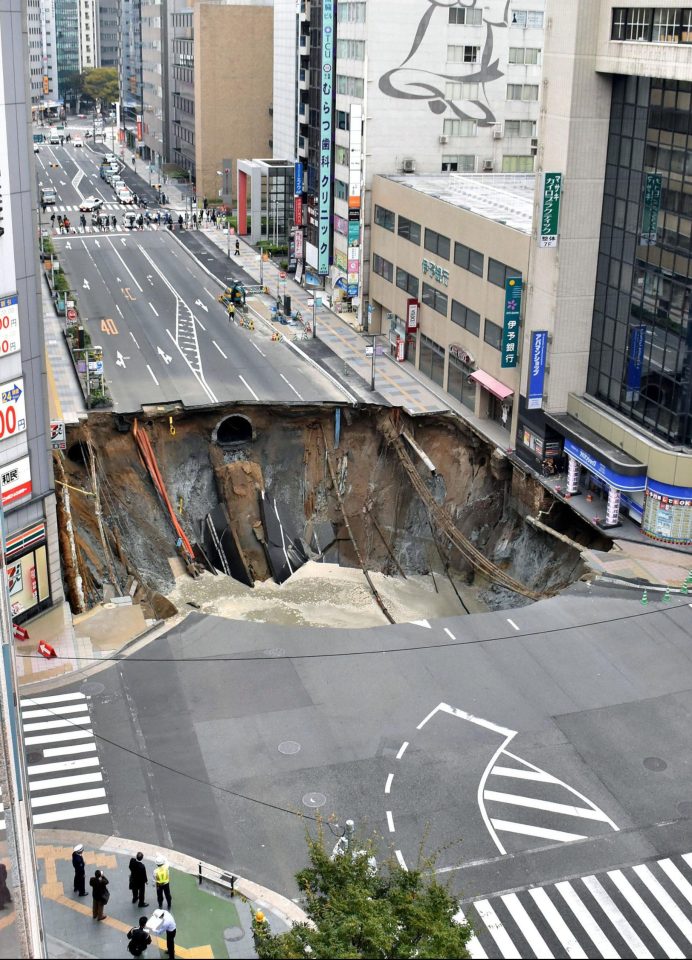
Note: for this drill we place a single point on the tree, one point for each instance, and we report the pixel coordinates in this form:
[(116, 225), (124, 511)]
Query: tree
[(357, 910), (101, 84)]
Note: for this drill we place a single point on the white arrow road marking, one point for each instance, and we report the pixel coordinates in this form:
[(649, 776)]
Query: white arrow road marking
[(133, 337), (198, 303), (156, 313), (152, 375), (120, 362), (97, 242), (86, 284), (220, 350), (150, 279), (124, 241), (166, 357), (62, 183), (68, 245)]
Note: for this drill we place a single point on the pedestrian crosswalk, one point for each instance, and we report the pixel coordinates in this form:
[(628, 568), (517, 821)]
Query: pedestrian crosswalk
[(65, 780), (643, 911), (74, 207)]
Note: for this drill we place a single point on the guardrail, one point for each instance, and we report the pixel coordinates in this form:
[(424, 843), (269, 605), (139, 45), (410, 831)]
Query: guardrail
[(220, 878)]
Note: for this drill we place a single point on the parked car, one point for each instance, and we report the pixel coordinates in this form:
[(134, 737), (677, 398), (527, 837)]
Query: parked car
[(48, 195), (110, 158), (90, 204)]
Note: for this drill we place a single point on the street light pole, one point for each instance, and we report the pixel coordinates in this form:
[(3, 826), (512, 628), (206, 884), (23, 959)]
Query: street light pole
[(314, 315)]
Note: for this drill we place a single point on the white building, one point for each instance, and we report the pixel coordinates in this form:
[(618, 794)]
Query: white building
[(87, 11)]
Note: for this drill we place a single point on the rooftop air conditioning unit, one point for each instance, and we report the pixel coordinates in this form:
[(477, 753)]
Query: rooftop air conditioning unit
[(408, 165), (498, 131), (487, 166), (444, 138)]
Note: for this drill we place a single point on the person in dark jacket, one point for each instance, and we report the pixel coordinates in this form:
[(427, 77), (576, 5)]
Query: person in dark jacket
[(79, 870), (139, 938), (138, 879), (100, 894)]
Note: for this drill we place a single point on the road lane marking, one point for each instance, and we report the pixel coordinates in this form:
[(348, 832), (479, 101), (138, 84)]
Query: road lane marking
[(29, 714), (152, 375), (58, 737), (665, 900), (560, 928), (69, 751), (220, 350), (74, 814), (390, 821), (198, 321), (241, 377), (513, 624), (388, 784), (125, 265), (496, 930), (402, 750), (540, 775), (68, 797), (257, 349), (63, 698), (38, 768), (156, 312), (528, 830), (291, 386), (574, 902), (526, 925), (400, 857), (612, 912), (209, 292), (65, 781), (449, 633), (118, 309), (134, 338), (587, 813)]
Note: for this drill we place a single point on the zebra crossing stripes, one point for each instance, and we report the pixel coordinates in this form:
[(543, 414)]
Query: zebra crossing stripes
[(65, 780), (74, 207), (643, 911)]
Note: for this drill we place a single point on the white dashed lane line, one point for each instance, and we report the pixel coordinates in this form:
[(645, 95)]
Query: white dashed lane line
[(402, 750), (388, 784), (449, 633), (513, 624), (390, 821)]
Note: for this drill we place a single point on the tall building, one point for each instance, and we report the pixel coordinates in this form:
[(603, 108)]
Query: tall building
[(67, 48), (88, 27), (454, 89), (155, 79), (130, 58), (108, 39), (34, 36), (49, 57)]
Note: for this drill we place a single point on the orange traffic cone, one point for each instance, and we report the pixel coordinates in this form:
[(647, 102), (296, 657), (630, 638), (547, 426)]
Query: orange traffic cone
[(46, 650)]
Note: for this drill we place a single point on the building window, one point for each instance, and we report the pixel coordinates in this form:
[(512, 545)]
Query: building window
[(517, 164), (406, 281), (350, 12), (408, 229), (350, 86), (466, 318), (525, 55), (469, 259), (382, 267), (492, 334), (340, 190), (527, 18), (472, 18), (384, 218), (520, 128), (341, 156), (522, 91), (459, 128), (351, 49), (431, 359), (456, 53), (437, 243), (499, 273), (455, 90), (453, 163), (342, 120), (435, 299)]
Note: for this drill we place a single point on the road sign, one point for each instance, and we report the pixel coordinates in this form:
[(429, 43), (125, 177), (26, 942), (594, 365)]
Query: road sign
[(71, 314), (12, 408), (58, 440)]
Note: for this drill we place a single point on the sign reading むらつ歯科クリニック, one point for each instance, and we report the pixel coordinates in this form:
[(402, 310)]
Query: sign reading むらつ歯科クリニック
[(550, 212)]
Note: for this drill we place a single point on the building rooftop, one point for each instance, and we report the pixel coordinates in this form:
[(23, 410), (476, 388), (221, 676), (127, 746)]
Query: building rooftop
[(503, 197)]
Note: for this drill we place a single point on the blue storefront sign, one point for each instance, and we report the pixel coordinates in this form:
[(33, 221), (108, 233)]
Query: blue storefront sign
[(326, 136), (539, 349), (299, 179), (635, 362), (617, 480), (311, 279), (352, 289), (510, 329)]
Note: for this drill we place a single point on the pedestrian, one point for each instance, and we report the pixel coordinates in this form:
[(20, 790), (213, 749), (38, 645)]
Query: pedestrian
[(194, 221), (138, 937), (180, 222), (237, 248), (114, 222), (79, 870), (140, 222), (213, 217), (166, 924), (82, 222), (138, 879), (66, 224), (206, 203), (43, 206), (100, 894), (231, 313), (52, 221), (162, 876), (133, 163), (5, 896)]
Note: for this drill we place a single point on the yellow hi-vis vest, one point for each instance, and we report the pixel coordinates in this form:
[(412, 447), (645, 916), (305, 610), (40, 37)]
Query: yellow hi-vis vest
[(161, 875)]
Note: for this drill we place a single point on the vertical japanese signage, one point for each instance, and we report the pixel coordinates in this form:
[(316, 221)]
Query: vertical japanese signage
[(354, 198), (652, 206), (539, 347), (9, 325), (635, 362), (325, 174), (510, 329), (550, 211)]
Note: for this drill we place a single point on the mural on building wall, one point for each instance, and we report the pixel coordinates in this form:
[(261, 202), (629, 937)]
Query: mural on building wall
[(410, 82)]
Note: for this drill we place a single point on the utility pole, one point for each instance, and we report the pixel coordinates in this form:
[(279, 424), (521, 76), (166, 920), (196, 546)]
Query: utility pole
[(373, 348)]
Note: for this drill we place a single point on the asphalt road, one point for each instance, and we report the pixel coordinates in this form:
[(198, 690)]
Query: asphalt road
[(219, 737)]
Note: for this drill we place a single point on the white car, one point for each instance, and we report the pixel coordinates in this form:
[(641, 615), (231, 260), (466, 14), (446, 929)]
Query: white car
[(77, 142), (124, 195), (90, 203), (111, 158)]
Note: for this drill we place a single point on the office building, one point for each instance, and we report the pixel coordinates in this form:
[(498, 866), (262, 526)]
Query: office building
[(108, 39), (130, 64), (454, 88)]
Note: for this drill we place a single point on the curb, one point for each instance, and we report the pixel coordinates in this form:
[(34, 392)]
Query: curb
[(286, 909)]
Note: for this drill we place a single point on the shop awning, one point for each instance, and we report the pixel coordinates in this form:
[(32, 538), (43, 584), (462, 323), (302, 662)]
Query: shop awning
[(490, 384)]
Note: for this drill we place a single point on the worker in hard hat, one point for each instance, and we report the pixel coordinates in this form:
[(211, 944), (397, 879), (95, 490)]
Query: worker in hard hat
[(162, 877)]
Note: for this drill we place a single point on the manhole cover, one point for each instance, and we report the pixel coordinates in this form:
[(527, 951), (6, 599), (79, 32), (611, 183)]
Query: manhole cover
[(314, 800), (274, 652), (233, 933), (655, 764), (92, 688), (289, 746)]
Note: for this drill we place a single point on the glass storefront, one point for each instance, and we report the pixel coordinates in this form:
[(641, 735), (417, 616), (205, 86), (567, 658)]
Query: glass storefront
[(641, 345), (27, 572), (432, 360), (458, 383)]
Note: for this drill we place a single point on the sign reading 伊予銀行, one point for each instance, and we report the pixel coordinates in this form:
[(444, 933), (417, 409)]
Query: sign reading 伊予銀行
[(550, 211), (510, 329), (539, 347), (325, 172)]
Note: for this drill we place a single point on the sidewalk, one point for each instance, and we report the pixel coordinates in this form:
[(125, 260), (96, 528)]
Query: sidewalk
[(210, 923), (65, 398)]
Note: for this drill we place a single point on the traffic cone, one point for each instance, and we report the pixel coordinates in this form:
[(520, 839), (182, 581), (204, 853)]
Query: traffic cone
[(684, 589), (689, 577), (46, 650), (666, 595), (644, 599)]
